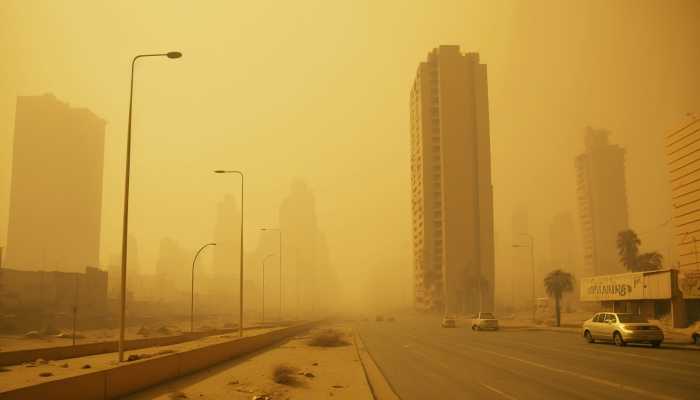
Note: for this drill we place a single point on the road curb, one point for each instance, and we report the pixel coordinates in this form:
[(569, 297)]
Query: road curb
[(381, 388)]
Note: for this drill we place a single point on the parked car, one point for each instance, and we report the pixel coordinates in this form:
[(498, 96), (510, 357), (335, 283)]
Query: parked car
[(379, 318), (390, 319), (621, 328), (448, 322), (484, 320), (696, 338)]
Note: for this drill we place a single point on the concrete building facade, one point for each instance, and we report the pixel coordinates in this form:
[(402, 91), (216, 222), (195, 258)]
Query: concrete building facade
[(602, 202), (452, 195), (56, 188), (682, 148)]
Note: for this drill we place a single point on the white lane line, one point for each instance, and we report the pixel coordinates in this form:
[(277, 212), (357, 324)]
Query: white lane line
[(581, 376), (618, 359), (629, 353), (493, 389)]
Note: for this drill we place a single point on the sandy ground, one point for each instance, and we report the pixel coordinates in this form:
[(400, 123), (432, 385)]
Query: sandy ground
[(336, 373), (41, 371), (19, 342)]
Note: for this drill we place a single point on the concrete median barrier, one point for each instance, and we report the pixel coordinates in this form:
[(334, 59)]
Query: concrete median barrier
[(130, 377)]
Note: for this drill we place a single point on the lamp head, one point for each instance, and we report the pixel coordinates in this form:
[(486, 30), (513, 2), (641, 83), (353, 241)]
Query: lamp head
[(174, 54)]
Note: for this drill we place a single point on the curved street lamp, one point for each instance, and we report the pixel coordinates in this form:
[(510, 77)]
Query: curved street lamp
[(532, 265), (263, 284), (240, 288), (279, 230), (192, 303), (125, 224)]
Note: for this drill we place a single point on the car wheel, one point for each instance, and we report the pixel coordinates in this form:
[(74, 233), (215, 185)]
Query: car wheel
[(617, 338), (697, 339), (589, 337), (656, 343)]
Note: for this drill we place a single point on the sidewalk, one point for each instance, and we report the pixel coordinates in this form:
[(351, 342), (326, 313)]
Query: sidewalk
[(316, 373)]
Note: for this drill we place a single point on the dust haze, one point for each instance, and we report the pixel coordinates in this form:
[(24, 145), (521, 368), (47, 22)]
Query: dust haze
[(310, 100)]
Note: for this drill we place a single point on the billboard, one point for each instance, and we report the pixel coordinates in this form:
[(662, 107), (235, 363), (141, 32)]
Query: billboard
[(689, 283), (613, 287)]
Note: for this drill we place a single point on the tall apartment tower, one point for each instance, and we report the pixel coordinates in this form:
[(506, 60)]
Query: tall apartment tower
[(683, 160), (452, 198), (56, 188), (602, 202)]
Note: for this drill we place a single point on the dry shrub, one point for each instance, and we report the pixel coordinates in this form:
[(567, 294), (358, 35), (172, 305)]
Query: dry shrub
[(285, 375), (328, 338)]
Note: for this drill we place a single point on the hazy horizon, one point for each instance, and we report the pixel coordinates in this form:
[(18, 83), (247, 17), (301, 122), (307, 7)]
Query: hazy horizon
[(319, 92)]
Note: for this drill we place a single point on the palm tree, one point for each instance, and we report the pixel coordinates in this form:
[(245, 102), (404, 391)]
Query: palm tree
[(557, 283), (628, 249)]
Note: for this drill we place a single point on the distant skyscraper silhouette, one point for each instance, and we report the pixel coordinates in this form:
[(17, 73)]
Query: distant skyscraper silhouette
[(602, 202), (56, 188), (451, 188)]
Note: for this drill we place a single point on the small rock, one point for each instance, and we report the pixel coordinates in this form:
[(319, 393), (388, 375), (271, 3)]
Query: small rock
[(32, 335), (30, 365), (177, 395), (133, 357), (315, 364), (41, 361), (86, 366), (262, 397), (309, 375), (337, 386), (234, 382), (65, 365), (45, 374)]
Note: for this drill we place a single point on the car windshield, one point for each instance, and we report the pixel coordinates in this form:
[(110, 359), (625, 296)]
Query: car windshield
[(631, 318), (486, 315)]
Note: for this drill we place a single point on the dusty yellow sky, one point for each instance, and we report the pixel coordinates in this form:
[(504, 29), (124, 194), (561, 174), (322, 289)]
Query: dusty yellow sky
[(318, 90)]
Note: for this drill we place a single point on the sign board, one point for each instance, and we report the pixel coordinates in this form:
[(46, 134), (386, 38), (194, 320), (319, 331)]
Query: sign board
[(689, 283), (613, 287)]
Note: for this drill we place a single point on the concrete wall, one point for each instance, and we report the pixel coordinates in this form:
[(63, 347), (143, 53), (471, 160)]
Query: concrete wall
[(134, 376), (87, 349)]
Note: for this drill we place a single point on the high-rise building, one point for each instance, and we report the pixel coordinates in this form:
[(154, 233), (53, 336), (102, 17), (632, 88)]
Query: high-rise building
[(602, 202), (452, 198), (563, 244), (683, 159), (56, 188)]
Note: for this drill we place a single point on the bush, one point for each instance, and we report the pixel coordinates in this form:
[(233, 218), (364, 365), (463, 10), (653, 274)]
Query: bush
[(284, 375), (328, 338)]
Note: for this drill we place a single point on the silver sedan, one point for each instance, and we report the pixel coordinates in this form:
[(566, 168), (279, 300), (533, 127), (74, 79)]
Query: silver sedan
[(622, 328)]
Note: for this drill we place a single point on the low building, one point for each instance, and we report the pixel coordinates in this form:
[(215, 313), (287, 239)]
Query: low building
[(47, 295), (652, 294)]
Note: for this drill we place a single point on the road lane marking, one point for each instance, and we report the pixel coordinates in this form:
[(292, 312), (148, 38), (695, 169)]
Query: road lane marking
[(493, 389), (604, 357), (582, 376)]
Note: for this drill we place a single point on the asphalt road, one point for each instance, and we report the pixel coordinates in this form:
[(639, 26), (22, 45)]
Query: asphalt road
[(423, 361)]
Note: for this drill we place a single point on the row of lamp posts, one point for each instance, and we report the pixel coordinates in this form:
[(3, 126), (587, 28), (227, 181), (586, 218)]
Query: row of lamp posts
[(125, 227)]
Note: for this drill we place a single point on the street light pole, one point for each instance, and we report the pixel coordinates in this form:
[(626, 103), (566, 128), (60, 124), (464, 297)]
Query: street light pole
[(240, 286), (192, 292), (532, 265), (279, 231), (263, 284), (125, 223)]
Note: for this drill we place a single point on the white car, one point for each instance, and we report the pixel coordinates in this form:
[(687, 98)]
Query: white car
[(448, 322), (484, 320)]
